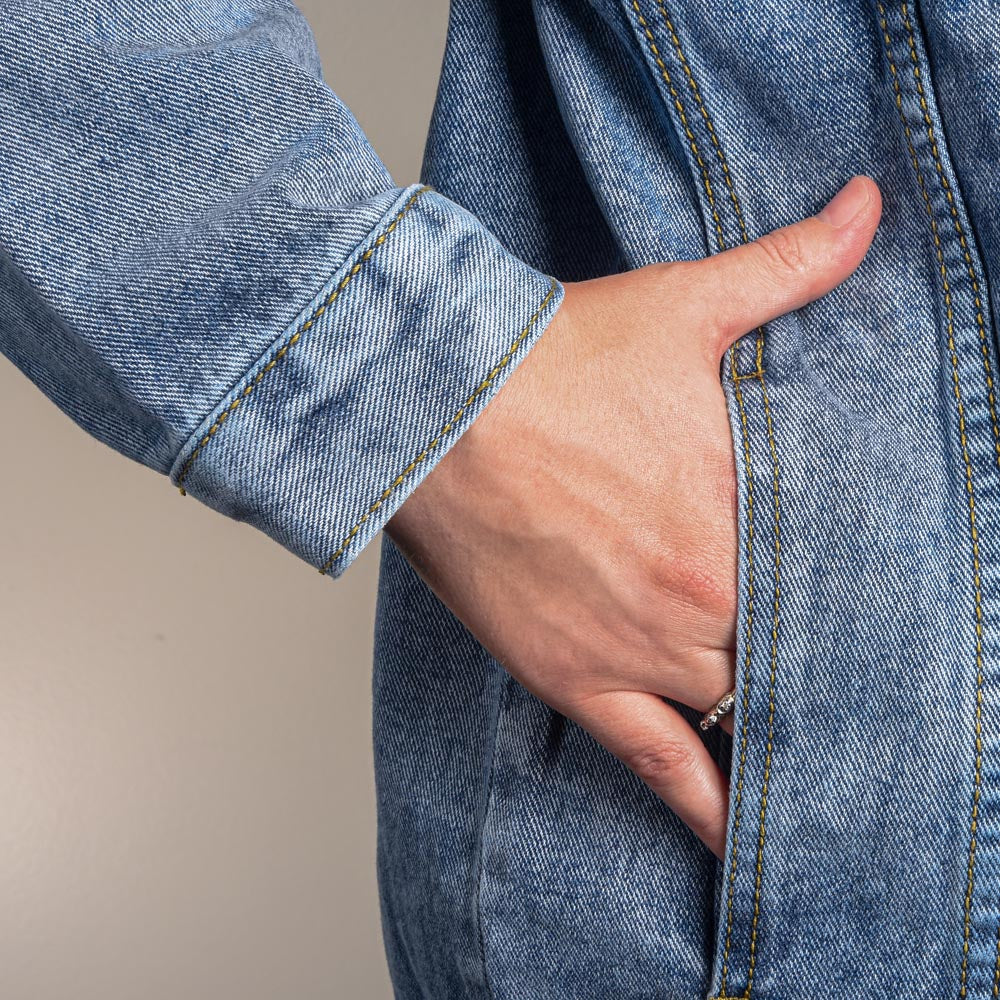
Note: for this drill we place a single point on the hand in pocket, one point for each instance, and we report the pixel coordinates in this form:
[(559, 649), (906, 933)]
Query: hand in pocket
[(584, 527)]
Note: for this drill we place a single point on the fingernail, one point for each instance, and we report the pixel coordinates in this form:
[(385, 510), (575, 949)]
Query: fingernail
[(846, 203)]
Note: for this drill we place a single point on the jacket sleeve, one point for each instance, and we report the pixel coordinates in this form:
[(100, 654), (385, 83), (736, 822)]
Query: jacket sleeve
[(204, 263)]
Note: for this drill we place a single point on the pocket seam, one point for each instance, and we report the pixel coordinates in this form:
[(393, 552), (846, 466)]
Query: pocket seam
[(737, 378)]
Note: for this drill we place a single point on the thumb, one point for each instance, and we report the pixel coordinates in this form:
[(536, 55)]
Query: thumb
[(756, 282)]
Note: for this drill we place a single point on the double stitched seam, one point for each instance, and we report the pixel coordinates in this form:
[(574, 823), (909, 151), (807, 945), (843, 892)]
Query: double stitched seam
[(449, 426), (991, 399), (762, 822), (977, 297), (759, 375), (283, 350), (969, 487), (987, 372)]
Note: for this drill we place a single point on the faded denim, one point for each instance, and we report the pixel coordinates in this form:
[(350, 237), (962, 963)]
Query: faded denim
[(205, 264)]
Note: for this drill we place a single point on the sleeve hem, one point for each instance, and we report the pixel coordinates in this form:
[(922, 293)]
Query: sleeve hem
[(372, 384), (455, 422), (286, 341)]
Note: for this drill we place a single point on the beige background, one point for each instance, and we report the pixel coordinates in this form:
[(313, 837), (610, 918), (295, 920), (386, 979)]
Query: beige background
[(186, 788)]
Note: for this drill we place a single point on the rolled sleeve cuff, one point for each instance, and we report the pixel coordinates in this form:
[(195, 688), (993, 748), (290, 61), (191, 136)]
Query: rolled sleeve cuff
[(356, 401)]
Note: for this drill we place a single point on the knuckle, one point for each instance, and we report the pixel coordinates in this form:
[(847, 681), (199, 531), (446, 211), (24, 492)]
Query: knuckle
[(784, 251), (694, 580), (664, 763)]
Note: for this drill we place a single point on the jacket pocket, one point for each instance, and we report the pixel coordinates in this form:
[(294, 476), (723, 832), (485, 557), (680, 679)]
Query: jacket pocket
[(748, 754)]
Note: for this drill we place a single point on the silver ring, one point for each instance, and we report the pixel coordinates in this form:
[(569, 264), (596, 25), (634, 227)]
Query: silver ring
[(721, 708)]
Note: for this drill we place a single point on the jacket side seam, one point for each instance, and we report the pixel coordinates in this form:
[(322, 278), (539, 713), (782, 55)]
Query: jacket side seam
[(977, 299), (977, 296), (449, 426), (759, 374), (283, 350), (981, 328), (772, 679), (991, 399), (969, 487), (772, 448)]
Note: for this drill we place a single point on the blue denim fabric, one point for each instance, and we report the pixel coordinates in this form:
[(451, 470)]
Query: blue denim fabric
[(204, 263)]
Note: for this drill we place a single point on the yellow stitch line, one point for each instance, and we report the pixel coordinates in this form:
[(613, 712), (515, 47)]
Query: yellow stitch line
[(996, 967), (665, 73), (771, 686), (391, 488), (980, 323), (759, 374), (970, 490), (294, 339), (960, 232), (699, 103), (747, 659), (721, 156)]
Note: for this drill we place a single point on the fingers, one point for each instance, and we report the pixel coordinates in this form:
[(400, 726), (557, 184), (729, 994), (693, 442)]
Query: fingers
[(698, 677), (657, 743), (751, 284)]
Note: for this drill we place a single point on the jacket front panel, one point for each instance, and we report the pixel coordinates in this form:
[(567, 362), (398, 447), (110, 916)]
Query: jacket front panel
[(206, 265), (861, 852)]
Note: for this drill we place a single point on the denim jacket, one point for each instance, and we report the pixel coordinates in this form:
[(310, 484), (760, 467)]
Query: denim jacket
[(205, 264)]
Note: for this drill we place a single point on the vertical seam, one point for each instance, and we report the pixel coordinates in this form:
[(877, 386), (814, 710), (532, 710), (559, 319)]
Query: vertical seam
[(977, 297), (762, 831), (747, 659), (706, 181), (969, 487), (727, 176), (759, 374), (981, 326), (991, 400), (777, 532), (706, 117)]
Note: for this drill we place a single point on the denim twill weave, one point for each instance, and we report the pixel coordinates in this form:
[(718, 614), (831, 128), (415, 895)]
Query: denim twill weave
[(206, 265)]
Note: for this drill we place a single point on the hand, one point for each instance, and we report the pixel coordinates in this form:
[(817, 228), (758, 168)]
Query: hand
[(584, 528)]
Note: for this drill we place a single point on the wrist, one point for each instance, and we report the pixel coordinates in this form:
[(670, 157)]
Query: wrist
[(487, 442)]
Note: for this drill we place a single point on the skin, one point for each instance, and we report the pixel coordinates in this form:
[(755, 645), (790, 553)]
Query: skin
[(584, 526)]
